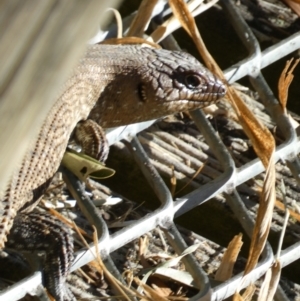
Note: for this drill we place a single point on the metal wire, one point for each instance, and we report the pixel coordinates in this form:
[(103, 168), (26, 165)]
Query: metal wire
[(225, 183)]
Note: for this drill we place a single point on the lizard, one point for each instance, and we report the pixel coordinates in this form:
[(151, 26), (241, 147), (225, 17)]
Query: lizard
[(111, 86)]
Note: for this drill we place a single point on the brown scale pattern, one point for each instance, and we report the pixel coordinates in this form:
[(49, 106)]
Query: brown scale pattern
[(112, 85)]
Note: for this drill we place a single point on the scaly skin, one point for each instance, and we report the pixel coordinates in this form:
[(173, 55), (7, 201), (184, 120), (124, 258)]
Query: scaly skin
[(113, 86)]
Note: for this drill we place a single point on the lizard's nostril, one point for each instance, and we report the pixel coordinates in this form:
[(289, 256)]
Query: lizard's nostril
[(219, 88)]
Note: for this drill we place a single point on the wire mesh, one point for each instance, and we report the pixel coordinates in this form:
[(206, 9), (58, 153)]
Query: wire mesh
[(225, 183)]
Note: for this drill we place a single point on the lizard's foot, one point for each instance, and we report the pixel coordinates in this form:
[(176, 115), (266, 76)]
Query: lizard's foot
[(43, 232), (91, 137)]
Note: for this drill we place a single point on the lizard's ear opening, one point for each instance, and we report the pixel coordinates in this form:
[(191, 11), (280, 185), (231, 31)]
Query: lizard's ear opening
[(142, 92)]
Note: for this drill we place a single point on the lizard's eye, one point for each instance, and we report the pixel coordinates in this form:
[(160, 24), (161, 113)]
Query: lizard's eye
[(192, 81)]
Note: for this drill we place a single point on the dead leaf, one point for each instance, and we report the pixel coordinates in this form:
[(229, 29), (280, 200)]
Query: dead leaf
[(142, 18), (128, 41), (149, 292), (270, 283), (285, 80), (224, 272), (264, 217), (294, 5)]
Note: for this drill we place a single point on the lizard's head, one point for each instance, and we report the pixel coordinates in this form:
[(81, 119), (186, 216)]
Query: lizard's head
[(157, 83), (179, 82)]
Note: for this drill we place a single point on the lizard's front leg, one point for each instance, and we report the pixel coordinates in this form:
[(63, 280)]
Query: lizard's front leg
[(36, 231), (91, 137)]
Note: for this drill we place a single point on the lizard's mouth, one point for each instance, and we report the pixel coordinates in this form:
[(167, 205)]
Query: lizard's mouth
[(175, 106), (189, 104)]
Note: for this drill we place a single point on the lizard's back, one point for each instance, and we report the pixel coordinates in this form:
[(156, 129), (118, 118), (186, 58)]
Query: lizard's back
[(127, 84)]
